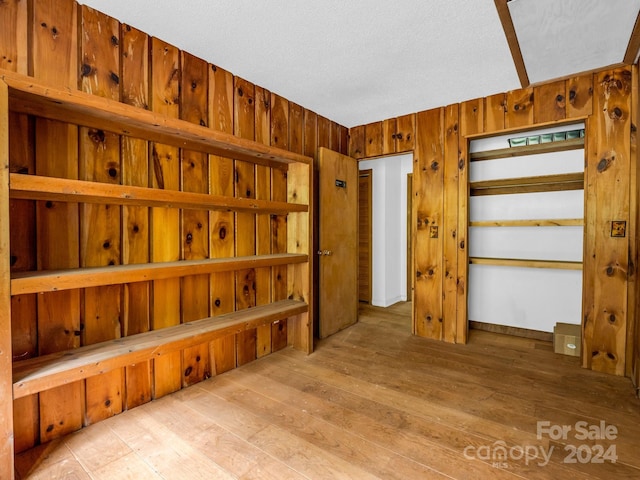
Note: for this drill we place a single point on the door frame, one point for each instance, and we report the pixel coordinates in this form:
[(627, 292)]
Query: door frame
[(369, 174)]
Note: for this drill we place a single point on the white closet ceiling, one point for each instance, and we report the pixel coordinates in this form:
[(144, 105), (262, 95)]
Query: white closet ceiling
[(359, 61)]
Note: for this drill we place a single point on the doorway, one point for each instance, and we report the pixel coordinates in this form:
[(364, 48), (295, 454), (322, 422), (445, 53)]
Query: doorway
[(389, 223)]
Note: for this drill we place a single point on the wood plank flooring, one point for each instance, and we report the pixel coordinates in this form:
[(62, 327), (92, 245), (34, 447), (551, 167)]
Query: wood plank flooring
[(371, 402)]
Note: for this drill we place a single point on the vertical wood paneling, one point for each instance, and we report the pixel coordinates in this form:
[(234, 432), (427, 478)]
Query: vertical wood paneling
[(164, 170), (244, 104), (428, 186), (221, 178), (550, 102), (494, 112), (519, 108), (195, 223), (450, 223), (632, 276), (373, 139), (389, 129), (134, 53), (100, 234), (356, 142), (280, 122), (344, 140), (53, 29), (6, 379), (605, 325), (334, 137), (22, 221), (279, 330), (13, 36), (471, 122), (405, 133), (579, 96), (324, 132), (296, 124), (263, 221), (279, 222)]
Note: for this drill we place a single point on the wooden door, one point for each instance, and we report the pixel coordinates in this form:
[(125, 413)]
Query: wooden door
[(364, 235), (338, 242)]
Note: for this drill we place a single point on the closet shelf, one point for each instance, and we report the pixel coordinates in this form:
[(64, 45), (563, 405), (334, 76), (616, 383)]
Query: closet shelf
[(35, 187), (512, 262), (542, 222), (55, 280), (49, 371), (28, 95), (544, 183), (573, 144)]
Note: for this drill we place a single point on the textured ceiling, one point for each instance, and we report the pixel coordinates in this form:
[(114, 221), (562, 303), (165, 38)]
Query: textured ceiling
[(355, 61)]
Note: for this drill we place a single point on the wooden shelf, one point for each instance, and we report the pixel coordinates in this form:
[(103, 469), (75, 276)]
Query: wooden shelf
[(551, 222), (34, 187), (55, 280), (573, 144), (42, 373), (30, 96), (511, 262), (544, 183)]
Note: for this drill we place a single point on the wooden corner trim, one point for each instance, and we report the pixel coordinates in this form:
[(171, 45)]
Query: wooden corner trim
[(512, 40), (634, 43)]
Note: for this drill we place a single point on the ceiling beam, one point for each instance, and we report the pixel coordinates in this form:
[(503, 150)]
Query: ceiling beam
[(512, 40), (634, 43)]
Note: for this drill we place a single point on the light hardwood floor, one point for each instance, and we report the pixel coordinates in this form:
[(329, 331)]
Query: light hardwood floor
[(371, 402)]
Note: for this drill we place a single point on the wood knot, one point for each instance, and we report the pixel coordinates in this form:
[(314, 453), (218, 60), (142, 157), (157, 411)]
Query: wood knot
[(572, 95), (113, 172), (434, 166), (429, 318), (610, 271), (188, 371), (189, 238), (97, 136), (605, 163), (615, 113), (114, 78), (106, 245), (222, 233), (462, 244), (612, 318), (611, 356), (135, 229), (114, 40), (217, 303), (461, 164), (86, 70), (107, 403), (240, 92)]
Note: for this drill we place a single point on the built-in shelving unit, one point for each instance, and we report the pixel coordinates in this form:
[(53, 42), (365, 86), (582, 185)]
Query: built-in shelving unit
[(28, 96), (559, 146)]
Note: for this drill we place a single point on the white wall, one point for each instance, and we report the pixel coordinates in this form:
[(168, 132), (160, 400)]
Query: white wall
[(529, 298), (389, 216)]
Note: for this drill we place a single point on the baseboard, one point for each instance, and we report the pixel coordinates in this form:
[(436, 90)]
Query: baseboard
[(513, 331)]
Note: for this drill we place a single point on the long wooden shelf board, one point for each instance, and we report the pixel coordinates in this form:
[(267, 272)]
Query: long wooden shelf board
[(35, 187), (542, 183), (573, 144), (542, 222), (30, 96), (49, 371), (512, 262), (56, 280)]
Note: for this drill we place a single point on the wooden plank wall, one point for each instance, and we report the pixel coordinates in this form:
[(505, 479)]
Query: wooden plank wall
[(607, 101), (75, 46)]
